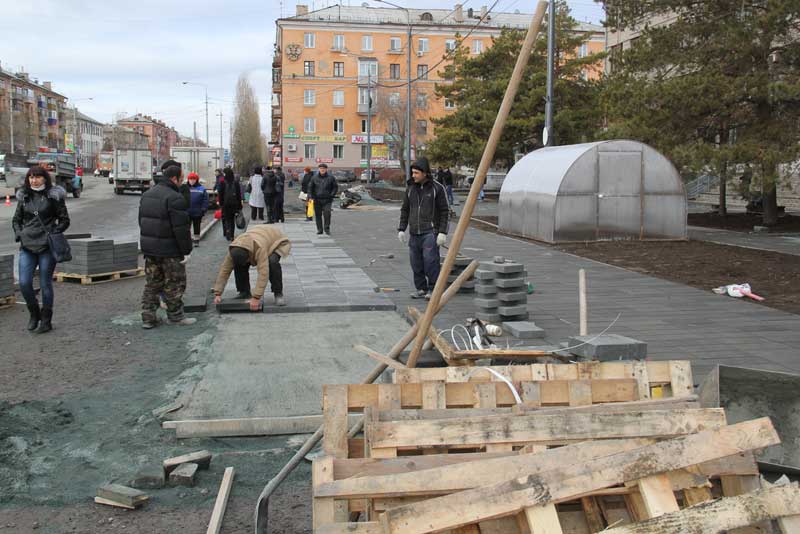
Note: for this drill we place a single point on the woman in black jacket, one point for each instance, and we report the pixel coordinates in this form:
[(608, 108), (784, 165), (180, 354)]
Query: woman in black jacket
[(230, 200), (41, 208)]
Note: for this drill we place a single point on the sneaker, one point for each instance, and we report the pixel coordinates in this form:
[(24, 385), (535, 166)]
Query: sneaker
[(186, 321), (327, 232), (150, 325), (428, 295), (196, 243), (243, 296), (319, 233), (279, 300), (418, 294)]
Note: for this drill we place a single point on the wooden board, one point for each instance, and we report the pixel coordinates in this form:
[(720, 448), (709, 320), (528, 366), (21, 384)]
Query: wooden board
[(109, 502), (248, 426), (7, 302), (91, 279), (222, 502), (201, 458)]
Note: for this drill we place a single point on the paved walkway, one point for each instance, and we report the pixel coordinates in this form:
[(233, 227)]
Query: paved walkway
[(785, 244), (676, 321)]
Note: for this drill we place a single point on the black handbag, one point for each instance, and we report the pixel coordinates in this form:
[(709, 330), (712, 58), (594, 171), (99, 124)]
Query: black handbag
[(59, 246), (241, 222)]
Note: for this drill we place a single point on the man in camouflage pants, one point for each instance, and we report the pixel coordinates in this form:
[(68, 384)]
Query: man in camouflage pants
[(166, 242)]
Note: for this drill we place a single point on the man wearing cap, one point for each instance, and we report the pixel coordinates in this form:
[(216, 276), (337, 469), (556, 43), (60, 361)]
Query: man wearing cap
[(261, 246), (425, 213), (322, 190)]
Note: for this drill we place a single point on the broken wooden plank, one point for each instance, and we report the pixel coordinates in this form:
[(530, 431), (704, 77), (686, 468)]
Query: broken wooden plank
[(123, 495), (334, 409), (506, 354), (201, 458), (722, 515), (246, 426), (505, 498), (109, 502), (375, 355), (441, 344), (657, 494), (222, 502)]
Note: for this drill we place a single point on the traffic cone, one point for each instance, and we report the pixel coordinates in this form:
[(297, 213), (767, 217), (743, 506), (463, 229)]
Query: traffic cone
[(8, 200)]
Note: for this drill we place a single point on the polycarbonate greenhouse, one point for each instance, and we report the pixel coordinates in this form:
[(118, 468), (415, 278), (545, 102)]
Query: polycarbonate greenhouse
[(594, 191)]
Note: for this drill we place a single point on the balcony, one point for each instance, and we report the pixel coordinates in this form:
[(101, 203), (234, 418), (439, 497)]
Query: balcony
[(363, 109), (365, 80), (395, 51), (277, 86), (277, 59), (276, 113)]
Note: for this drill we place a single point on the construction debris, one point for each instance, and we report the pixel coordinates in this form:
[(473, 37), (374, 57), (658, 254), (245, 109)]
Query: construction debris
[(221, 503), (201, 458), (120, 496), (183, 475)]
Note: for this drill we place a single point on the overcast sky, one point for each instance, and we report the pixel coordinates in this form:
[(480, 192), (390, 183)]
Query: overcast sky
[(134, 60)]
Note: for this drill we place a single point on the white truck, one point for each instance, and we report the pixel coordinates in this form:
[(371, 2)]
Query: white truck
[(202, 160), (133, 170)]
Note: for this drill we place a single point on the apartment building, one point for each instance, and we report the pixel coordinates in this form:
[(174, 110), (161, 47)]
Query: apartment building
[(329, 62), (160, 136), (86, 136), (31, 113)]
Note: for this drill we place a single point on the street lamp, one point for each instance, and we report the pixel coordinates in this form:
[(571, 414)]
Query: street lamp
[(75, 144), (206, 88), (408, 89)]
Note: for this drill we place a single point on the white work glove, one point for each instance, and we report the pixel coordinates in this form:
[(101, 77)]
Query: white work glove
[(185, 259), (441, 239), (402, 237)]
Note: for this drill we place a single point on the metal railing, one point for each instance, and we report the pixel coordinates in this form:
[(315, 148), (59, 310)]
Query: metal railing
[(701, 184)]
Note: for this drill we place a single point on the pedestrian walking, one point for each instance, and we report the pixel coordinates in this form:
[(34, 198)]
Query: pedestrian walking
[(261, 247), (41, 209), (218, 177), (198, 205), (322, 190), (425, 213), (270, 189), (256, 190), (280, 190), (230, 200), (166, 243), (304, 188), (448, 185)]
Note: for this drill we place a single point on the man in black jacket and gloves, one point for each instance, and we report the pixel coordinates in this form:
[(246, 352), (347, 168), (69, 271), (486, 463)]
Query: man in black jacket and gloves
[(322, 190), (425, 213), (166, 240)]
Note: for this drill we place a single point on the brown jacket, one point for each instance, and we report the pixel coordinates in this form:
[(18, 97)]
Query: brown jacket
[(261, 241)]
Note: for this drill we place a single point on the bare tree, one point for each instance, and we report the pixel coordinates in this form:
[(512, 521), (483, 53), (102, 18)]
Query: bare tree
[(390, 111), (248, 146)]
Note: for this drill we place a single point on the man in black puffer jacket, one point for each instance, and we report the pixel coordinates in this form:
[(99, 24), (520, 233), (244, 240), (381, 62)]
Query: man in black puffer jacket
[(322, 190), (166, 239)]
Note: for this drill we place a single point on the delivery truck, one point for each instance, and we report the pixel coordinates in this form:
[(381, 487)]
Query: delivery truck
[(133, 170), (105, 163), (202, 160)]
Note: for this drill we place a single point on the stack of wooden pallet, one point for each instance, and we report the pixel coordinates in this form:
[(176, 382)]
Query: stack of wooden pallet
[(542, 448)]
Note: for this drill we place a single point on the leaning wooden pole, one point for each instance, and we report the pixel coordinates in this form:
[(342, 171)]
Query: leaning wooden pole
[(262, 506), (477, 184)]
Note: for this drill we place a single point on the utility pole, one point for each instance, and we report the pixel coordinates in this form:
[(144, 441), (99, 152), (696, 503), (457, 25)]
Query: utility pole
[(220, 129), (369, 124), (548, 106), (207, 141), (408, 102), (194, 134)]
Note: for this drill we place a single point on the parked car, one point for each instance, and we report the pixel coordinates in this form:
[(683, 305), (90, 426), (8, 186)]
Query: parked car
[(344, 175)]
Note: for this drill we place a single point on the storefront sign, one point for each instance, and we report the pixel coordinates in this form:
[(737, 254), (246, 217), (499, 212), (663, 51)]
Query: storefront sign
[(325, 138), (362, 139), (324, 160), (290, 159), (291, 136)]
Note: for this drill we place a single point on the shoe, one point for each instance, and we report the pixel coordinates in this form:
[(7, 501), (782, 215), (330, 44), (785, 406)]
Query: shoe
[(418, 294), (196, 243), (45, 325), (428, 295), (319, 233), (150, 325), (279, 300), (36, 315), (327, 232), (186, 321), (243, 295)]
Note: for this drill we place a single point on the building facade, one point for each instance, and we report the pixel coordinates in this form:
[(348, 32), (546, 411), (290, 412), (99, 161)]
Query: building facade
[(31, 114), (342, 71), (86, 135), (160, 136)]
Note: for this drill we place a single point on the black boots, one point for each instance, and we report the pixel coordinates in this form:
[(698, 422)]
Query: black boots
[(33, 323), (45, 325)]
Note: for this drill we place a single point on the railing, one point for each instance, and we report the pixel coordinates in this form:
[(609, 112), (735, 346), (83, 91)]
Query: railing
[(701, 184)]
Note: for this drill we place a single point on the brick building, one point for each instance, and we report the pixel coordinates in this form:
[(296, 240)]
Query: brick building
[(88, 137), (161, 137)]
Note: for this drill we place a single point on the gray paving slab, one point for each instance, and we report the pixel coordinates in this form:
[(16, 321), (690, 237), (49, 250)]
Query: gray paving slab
[(785, 244)]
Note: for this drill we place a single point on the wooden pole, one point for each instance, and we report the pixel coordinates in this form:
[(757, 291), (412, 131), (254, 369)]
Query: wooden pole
[(477, 184), (582, 302)]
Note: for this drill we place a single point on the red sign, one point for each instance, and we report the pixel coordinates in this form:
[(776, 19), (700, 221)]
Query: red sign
[(324, 160), (290, 159)]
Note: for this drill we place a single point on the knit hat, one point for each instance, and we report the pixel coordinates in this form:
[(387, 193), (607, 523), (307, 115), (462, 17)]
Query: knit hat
[(193, 175), (323, 165), (422, 165)]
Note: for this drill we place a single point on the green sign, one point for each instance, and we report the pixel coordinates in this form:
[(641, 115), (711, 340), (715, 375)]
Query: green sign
[(291, 129), (291, 136)]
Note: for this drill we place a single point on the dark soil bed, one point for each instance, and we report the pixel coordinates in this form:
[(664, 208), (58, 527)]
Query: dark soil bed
[(386, 194), (697, 264), (743, 222)]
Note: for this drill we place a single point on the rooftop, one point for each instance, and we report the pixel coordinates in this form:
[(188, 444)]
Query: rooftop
[(24, 78), (86, 118)]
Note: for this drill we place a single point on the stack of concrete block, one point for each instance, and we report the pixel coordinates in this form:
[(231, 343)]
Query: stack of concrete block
[(461, 263), (501, 291), (126, 256), (6, 275), (90, 256)]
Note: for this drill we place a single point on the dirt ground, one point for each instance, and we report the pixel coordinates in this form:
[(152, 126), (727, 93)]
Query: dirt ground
[(697, 264), (743, 222)]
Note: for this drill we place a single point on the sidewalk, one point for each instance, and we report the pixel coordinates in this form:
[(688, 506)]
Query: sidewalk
[(785, 244), (677, 321)]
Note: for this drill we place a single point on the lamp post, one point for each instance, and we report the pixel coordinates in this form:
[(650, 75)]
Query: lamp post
[(408, 89), (206, 88), (548, 105), (75, 129)]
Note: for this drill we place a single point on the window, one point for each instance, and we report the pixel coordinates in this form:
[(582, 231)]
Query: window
[(422, 72), (450, 45), (310, 151), (308, 68), (422, 45), (309, 97), (582, 51), (427, 17), (422, 127), (338, 41), (422, 101), (363, 125), (394, 100), (394, 44), (338, 69), (309, 125), (364, 151), (309, 40), (362, 96), (368, 68), (477, 46), (338, 98), (449, 104), (394, 71), (394, 127), (366, 42), (338, 126), (338, 151)]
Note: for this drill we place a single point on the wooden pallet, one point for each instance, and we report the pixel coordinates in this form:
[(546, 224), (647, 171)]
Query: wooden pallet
[(7, 302), (91, 279)]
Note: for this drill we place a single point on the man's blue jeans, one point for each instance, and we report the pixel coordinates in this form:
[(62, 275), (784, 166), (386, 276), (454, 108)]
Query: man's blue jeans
[(424, 254), (28, 261)]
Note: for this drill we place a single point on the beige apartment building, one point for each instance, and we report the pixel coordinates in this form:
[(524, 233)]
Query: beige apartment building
[(329, 62)]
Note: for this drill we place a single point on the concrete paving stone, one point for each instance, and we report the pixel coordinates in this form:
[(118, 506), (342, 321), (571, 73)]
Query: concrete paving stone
[(515, 318), (486, 302), (521, 274), (512, 310), (234, 306), (148, 477), (509, 282), (183, 475), (490, 317), (483, 274), (503, 268), (195, 303), (523, 329), (512, 296), (608, 347)]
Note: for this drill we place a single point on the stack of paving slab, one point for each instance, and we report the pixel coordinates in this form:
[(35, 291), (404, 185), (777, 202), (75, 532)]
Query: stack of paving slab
[(90, 256), (461, 263), (501, 292), (126, 256), (6, 275)]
